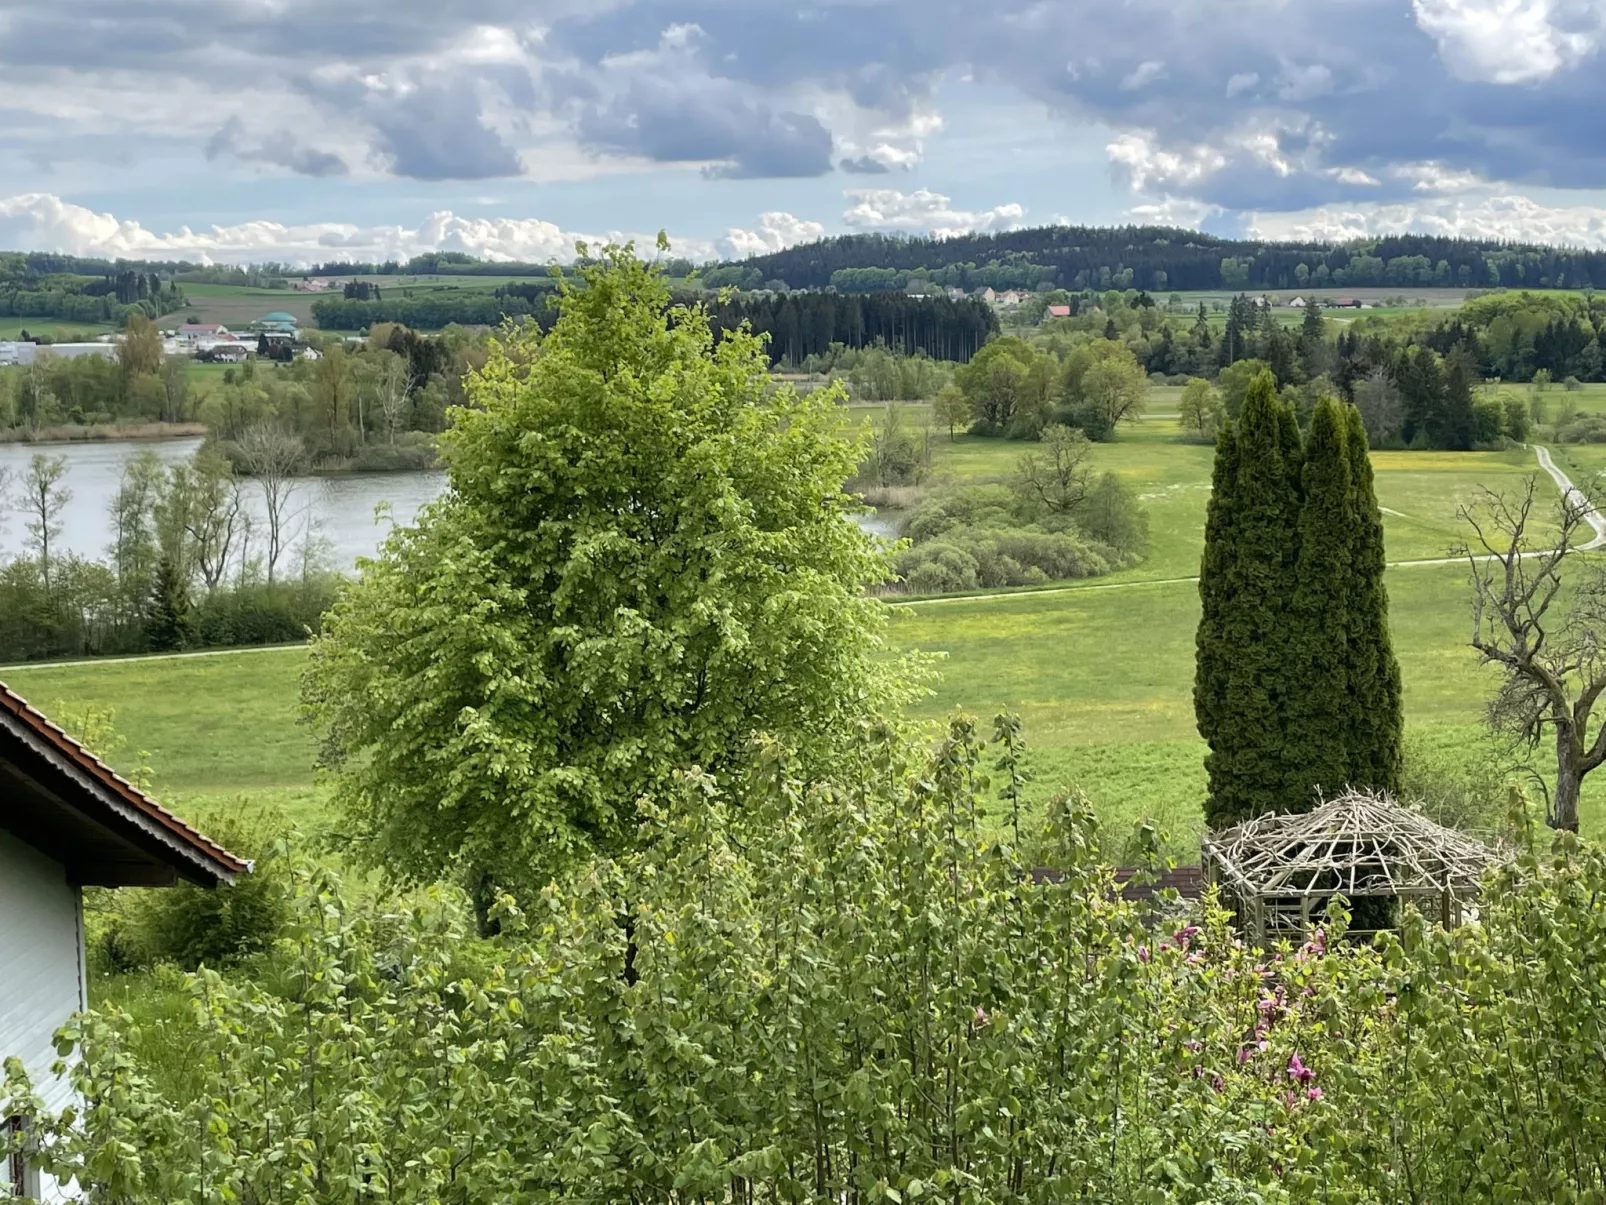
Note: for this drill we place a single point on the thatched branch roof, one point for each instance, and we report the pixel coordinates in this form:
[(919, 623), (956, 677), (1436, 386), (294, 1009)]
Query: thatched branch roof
[(1357, 844)]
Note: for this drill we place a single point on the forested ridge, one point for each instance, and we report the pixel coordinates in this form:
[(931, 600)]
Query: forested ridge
[(1160, 258)]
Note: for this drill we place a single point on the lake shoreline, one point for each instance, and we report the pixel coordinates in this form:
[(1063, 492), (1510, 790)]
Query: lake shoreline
[(101, 432)]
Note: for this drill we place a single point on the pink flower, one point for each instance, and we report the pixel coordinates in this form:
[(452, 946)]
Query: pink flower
[(981, 1015), (1298, 1071), (1143, 953), (1193, 1046), (1313, 1093), (1244, 1055), (1219, 1084)]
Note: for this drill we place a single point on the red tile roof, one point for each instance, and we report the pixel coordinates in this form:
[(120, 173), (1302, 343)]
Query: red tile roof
[(118, 786)]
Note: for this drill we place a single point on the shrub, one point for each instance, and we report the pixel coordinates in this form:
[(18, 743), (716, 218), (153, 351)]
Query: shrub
[(971, 506), (188, 926), (257, 613), (412, 451), (992, 557), (1490, 416), (824, 987), (1586, 429), (938, 568)]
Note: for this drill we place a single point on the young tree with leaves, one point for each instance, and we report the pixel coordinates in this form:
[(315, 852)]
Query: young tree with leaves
[(43, 500), (1201, 408), (1056, 477), (645, 559), (951, 409)]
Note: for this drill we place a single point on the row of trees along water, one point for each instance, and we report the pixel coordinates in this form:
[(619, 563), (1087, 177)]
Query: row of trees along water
[(709, 920), (372, 404), (191, 560)]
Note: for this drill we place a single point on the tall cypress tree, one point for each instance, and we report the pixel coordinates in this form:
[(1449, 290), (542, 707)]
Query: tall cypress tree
[(1248, 759), (1321, 711), (1373, 673), (1211, 663)]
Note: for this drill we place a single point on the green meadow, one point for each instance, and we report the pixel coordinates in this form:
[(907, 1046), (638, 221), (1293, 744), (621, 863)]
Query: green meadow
[(1100, 670)]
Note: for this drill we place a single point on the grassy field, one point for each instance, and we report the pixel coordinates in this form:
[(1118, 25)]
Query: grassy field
[(1101, 671), (237, 306), (12, 328)]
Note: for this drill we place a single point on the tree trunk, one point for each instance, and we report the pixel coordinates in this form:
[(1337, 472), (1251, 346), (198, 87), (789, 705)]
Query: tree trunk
[(1569, 777)]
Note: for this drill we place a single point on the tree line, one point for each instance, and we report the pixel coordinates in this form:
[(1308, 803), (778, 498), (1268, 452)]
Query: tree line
[(193, 560), (106, 299), (1160, 258), (801, 325)]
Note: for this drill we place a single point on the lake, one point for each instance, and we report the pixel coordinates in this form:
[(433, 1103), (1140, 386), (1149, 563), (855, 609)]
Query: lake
[(337, 510)]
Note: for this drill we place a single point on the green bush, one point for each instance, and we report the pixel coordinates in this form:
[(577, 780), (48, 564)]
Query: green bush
[(1585, 429), (131, 929), (965, 558), (853, 990), (970, 506), (412, 451), (258, 613)]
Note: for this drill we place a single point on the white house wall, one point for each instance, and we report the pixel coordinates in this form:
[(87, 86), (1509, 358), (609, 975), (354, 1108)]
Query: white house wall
[(41, 962)]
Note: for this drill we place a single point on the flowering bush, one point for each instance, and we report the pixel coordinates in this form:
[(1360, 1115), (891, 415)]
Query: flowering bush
[(848, 991)]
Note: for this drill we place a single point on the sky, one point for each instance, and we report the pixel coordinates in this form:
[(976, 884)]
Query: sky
[(308, 130)]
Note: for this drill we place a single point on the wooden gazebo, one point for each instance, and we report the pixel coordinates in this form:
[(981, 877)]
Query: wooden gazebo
[(1279, 872)]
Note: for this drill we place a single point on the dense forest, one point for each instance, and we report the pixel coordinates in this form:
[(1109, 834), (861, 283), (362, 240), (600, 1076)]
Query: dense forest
[(1161, 258), (801, 325), (40, 287)]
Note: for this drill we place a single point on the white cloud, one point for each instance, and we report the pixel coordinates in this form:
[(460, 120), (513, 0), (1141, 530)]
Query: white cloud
[(1143, 74), (1512, 41), (44, 222), (775, 232), (1147, 164), (1489, 217), (1241, 82), (1430, 176), (932, 212), (1168, 211)]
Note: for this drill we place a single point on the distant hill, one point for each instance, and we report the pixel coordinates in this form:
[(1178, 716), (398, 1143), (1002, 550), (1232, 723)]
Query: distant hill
[(1162, 259)]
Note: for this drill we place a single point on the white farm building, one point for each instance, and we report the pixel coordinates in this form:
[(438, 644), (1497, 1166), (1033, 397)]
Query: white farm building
[(68, 822)]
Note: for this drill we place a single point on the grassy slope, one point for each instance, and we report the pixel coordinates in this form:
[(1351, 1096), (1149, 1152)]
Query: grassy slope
[(1102, 672)]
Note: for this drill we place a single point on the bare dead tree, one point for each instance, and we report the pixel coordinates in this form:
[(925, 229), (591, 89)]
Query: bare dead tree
[(393, 387), (1539, 613), (217, 519), (273, 455)]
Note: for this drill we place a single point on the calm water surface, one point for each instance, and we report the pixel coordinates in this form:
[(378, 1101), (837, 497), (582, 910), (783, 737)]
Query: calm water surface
[(337, 510)]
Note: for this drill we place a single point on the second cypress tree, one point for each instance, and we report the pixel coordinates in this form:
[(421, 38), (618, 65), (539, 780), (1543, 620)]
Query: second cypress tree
[(1321, 709), (1372, 671)]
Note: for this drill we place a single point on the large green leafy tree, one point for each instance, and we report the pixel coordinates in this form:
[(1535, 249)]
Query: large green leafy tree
[(645, 559)]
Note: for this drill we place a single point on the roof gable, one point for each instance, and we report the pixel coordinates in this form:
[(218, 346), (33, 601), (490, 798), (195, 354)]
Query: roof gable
[(63, 800)]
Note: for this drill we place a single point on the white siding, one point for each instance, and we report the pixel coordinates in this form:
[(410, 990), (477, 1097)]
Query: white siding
[(41, 962)]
